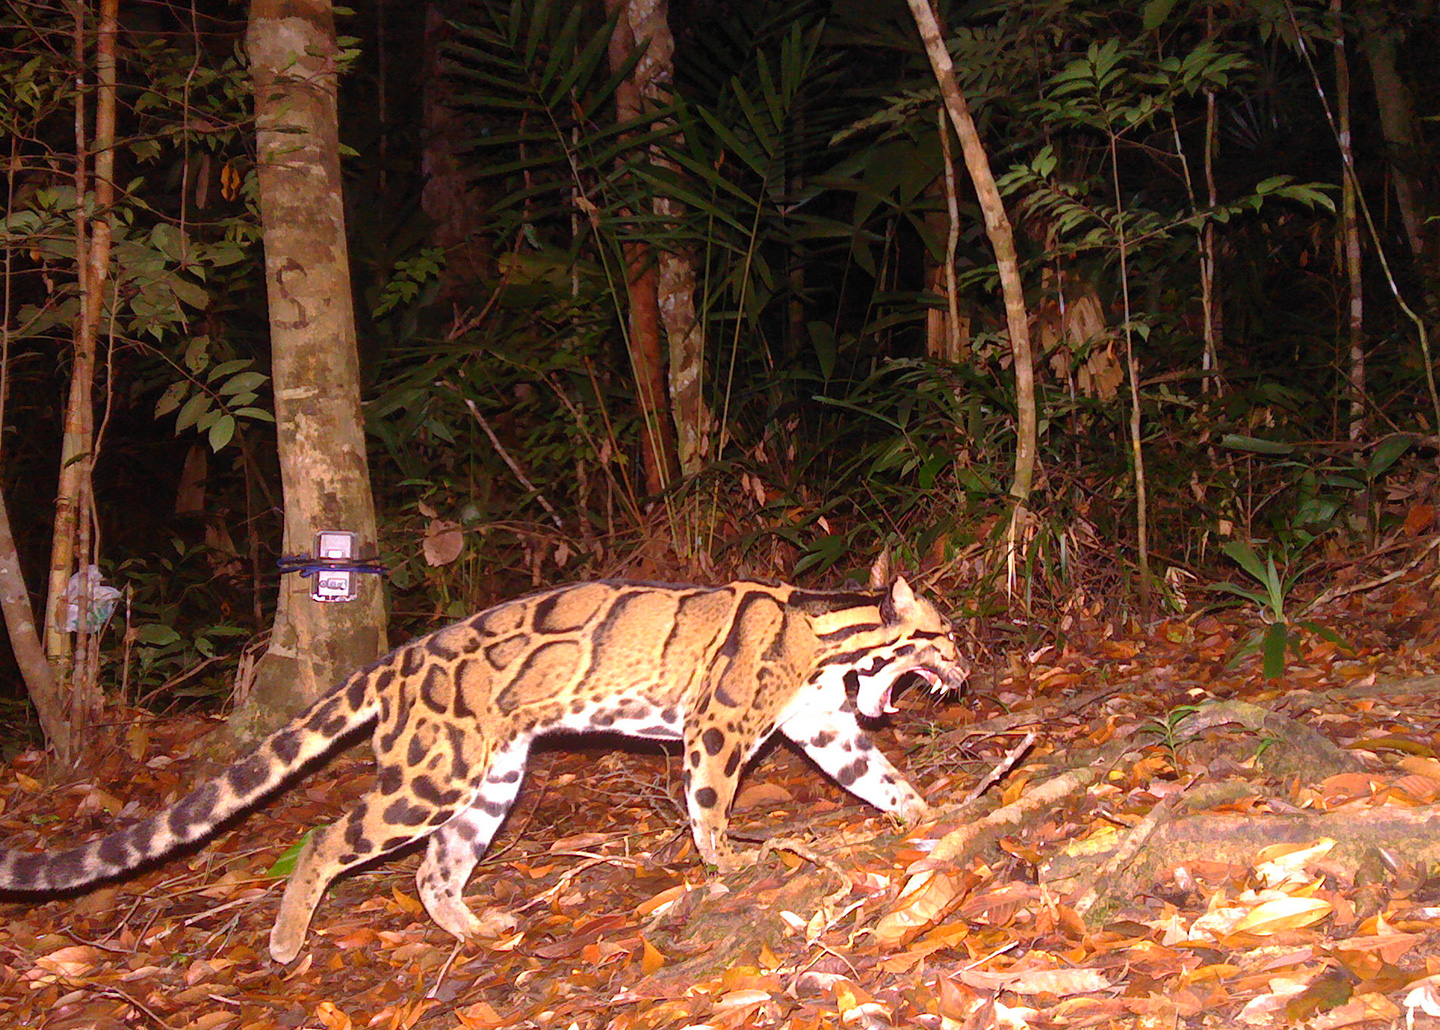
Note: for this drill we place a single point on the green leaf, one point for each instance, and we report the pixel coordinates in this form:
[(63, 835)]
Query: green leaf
[(285, 864), (197, 353), (1277, 639), (822, 338), (243, 382), (226, 368), (1239, 591), (195, 407), (157, 634), (1388, 453), (1255, 444), (170, 399), (1244, 555), (221, 431)]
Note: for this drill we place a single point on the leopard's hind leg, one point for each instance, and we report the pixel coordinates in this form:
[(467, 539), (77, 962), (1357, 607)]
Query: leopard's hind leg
[(453, 849)]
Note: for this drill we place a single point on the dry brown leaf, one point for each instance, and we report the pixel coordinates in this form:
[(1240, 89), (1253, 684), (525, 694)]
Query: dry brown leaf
[(924, 901), (1365, 1008), (76, 960), (762, 795), (1417, 765), (1418, 788), (1263, 1008), (1389, 946), (407, 903), (1282, 914), (480, 1016), (443, 542), (741, 999), (332, 1017), (1038, 981), (651, 960), (1281, 865), (663, 900)]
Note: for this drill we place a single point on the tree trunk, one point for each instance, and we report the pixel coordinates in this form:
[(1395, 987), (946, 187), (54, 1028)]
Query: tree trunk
[(1002, 241), (649, 22), (1397, 120), (647, 357), (1211, 311), (25, 643), (1350, 235), (320, 436), (448, 197), (947, 332), (75, 662)]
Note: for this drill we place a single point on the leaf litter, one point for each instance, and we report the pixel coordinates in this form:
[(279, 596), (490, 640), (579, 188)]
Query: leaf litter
[(1182, 842)]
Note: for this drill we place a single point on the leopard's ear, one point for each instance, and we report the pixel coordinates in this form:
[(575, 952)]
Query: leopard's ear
[(880, 571), (898, 603), (901, 596)]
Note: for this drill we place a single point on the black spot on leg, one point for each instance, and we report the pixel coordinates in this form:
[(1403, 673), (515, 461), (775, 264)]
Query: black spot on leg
[(732, 763), (706, 797), (823, 739), (852, 772), (713, 740), (693, 759), (355, 833)]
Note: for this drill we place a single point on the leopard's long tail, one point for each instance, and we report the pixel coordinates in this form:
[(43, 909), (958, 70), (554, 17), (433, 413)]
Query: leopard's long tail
[(349, 705)]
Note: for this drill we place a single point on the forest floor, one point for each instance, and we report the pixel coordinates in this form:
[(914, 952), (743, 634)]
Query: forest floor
[(1183, 843)]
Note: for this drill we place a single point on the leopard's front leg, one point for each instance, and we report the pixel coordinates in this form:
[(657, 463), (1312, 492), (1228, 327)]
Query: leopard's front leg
[(713, 761)]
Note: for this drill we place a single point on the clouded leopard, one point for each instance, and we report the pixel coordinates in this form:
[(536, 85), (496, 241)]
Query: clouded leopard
[(717, 668)]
